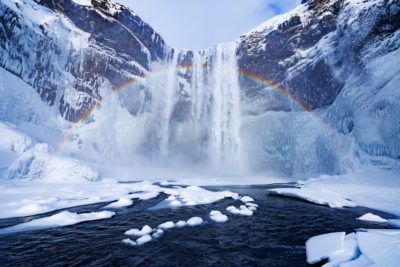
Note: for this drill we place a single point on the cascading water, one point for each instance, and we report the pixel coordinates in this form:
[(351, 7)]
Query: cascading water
[(225, 142), (169, 101), (191, 113)]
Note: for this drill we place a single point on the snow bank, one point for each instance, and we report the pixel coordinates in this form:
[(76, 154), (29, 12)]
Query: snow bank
[(13, 140), (322, 196), (23, 197), (217, 216), (366, 247), (372, 218), (60, 219), (370, 187), (40, 163)]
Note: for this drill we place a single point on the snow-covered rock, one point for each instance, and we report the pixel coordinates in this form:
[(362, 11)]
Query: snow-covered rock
[(218, 216)]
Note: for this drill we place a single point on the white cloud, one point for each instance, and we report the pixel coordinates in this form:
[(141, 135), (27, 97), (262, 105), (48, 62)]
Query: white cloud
[(196, 24)]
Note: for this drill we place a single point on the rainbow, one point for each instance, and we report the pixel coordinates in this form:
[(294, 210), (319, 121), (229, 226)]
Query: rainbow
[(241, 73)]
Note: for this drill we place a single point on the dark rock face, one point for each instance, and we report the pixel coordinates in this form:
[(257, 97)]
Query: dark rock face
[(270, 53), (119, 46)]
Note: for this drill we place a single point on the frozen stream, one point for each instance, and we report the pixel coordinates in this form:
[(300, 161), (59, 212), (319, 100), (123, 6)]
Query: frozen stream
[(274, 235)]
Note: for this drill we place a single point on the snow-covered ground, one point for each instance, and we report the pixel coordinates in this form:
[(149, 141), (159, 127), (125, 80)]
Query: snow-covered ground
[(369, 187)]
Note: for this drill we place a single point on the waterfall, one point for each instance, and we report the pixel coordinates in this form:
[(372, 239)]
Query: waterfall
[(195, 111), (225, 125), (169, 101)]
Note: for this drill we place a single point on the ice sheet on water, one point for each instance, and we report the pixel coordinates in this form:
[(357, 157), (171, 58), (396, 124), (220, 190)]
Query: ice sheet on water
[(320, 196), (370, 187), (361, 261), (378, 247), (350, 251), (394, 222), (382, 249), (63, 218), (372, 218), (323, 246)]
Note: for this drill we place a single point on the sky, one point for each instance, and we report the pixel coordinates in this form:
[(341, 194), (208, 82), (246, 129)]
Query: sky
[(199, 24)]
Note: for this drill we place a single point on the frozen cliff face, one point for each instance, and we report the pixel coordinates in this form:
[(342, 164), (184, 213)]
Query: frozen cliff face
[(67, 50), (337, 58)]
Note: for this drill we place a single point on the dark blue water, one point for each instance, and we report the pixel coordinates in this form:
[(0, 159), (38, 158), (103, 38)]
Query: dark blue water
[(274, 236)]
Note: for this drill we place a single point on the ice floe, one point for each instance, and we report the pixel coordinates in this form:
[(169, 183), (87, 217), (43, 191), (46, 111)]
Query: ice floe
[(377, 247), (372, 218), (217, 216), (63, 218), (322, 246)]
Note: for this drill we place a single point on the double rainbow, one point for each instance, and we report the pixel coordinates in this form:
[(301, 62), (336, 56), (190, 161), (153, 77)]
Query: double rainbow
[(241, 73)]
